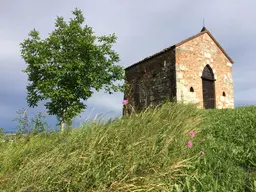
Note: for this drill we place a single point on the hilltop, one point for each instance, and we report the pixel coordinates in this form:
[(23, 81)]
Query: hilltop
[(174, 147)]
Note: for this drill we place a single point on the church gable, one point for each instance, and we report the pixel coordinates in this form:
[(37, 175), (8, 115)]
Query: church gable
[(192, 56), (206, 34)]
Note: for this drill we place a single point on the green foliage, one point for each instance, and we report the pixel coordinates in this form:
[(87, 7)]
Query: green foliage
[(1, 133), (143, 152), (35, 125), (23, 121), (66, 67)]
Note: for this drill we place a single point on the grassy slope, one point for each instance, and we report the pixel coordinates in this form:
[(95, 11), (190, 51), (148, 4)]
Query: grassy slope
[(229, 142), (144, 152)]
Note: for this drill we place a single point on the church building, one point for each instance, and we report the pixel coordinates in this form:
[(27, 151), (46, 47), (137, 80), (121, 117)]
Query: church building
[(195, 70)]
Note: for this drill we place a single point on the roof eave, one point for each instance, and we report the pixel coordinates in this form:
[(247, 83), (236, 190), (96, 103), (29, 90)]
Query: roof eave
[(204, 30), (216, 42), (152, 56)]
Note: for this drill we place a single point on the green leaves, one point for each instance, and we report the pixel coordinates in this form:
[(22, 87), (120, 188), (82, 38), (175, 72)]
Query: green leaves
[(65, 67)]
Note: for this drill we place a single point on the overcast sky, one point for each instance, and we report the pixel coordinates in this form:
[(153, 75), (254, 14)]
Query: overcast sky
[(143, 27)]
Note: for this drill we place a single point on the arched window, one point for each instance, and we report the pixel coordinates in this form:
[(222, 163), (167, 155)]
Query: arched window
[(224, 94), (191, 89)]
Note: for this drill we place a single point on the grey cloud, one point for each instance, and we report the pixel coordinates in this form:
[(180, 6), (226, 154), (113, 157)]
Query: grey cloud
[(142, 28)]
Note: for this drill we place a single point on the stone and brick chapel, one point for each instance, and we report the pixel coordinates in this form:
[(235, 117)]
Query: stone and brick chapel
[(196, 70)]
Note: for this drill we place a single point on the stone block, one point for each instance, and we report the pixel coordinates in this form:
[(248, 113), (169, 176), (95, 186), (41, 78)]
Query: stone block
[(191, 58), (229, 64), (179, 75)]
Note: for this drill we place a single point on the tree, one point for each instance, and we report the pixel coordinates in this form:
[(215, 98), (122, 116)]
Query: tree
[(64, 68), (35, 125)]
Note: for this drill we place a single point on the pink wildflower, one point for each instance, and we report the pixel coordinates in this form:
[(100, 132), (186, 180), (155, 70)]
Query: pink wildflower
[(202, 153), (190, 144), (192, 134), (125, 102)]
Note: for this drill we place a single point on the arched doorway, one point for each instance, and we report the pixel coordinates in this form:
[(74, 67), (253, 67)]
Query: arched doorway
[(208, 88)]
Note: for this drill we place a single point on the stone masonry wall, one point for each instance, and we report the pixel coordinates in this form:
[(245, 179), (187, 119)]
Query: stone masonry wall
[(191, 58), (152, 81)]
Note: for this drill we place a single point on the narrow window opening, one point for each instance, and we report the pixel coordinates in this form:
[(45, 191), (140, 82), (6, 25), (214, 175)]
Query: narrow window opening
[(224, 94), (154, 73), (191, 89)]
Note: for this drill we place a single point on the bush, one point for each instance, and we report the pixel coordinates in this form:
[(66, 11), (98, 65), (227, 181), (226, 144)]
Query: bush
[(27, 126)]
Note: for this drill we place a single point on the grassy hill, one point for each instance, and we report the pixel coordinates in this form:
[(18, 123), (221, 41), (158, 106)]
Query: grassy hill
[(152, 151)]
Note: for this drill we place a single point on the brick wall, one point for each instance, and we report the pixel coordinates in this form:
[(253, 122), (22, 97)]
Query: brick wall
[(191, 58)]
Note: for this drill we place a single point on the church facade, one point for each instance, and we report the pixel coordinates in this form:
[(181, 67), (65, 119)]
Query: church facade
[(196, 70)]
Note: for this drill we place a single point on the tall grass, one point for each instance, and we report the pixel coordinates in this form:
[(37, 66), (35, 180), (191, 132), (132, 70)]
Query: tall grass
[(228, 138), (144, 152)]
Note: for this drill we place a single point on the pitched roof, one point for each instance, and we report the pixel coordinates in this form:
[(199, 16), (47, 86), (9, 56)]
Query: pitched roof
[(203, 31)]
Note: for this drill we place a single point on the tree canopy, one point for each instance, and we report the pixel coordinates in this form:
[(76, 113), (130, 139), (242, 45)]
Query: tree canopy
[(66, 67)]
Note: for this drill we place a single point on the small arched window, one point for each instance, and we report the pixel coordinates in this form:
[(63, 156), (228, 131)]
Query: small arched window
[(191, 89), (224, 94)]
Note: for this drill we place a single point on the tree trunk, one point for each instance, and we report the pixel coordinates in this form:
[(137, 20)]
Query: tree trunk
[(62, 126)]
